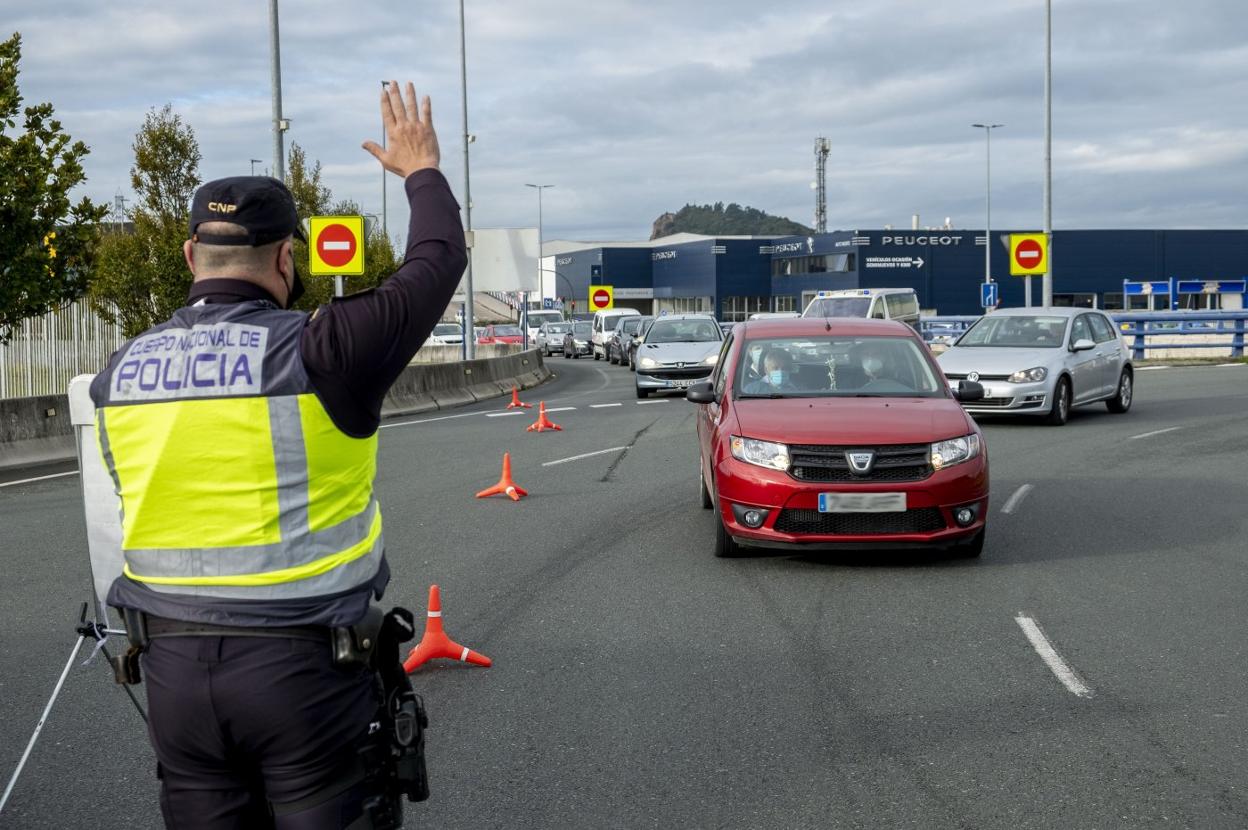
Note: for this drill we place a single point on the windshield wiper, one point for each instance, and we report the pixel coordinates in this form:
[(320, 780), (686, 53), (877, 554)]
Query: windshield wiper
[(771, 395)]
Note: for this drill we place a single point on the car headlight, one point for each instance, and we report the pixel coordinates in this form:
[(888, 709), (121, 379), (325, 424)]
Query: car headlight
[(1029, 375), (762, 453), (578, 342), (954, 451), (711, 360), (649, 362)]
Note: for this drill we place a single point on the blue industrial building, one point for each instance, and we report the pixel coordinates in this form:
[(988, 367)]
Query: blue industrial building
[(734, 276)]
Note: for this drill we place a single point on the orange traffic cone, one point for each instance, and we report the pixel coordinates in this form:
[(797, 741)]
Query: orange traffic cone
[(435, 643), (515, 400), (505, 485), (543, 423)]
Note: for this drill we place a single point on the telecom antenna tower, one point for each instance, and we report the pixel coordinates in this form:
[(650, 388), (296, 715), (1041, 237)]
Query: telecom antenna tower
[(822, 147)]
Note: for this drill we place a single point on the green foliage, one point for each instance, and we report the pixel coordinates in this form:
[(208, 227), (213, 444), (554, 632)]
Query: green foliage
[(730, 220), (47, 245), (141, 278)]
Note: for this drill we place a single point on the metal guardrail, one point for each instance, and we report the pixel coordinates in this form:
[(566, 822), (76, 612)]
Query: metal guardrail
[(1140, 329), (46, 352)]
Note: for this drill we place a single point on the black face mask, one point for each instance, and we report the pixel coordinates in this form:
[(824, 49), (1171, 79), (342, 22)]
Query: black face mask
[(296, 289)]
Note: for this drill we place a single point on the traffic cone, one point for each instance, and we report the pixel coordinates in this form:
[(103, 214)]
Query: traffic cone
[(543, 423), (516, 403), (435, 643), (505, 485)]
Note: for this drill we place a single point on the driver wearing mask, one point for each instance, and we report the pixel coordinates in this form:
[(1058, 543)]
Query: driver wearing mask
[(777, 376)]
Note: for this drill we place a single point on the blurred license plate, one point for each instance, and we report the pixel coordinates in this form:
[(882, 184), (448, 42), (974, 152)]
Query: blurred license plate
[(683, 383), (862, 502)]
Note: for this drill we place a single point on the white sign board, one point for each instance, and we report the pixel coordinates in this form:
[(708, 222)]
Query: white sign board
[(100, 502), (503, 259)]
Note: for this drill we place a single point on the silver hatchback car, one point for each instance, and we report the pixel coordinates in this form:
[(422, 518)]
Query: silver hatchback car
[(1043, 361)]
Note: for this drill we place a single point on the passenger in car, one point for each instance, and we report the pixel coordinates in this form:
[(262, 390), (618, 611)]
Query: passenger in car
[(777, 376)]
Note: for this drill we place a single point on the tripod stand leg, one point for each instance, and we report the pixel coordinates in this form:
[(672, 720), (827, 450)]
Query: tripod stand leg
[(42, 720)]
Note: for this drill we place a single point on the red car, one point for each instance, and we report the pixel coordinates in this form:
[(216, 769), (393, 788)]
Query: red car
[(838, 433), (501, 334)]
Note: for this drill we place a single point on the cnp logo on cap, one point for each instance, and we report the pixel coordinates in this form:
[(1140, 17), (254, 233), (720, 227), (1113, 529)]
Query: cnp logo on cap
[(336, 245)]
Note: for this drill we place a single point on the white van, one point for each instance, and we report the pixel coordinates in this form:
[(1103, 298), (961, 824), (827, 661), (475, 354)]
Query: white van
[(604, 324), (539, 316), (880, 303)]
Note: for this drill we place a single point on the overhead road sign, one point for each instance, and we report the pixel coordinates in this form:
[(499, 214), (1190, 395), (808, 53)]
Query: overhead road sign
[(336, 245), (1029, 254), (601, 297)]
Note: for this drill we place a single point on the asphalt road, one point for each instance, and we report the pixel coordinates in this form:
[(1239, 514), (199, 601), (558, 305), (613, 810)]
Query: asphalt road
[(639, 682)]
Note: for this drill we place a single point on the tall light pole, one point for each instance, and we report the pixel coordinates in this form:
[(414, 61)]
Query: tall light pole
[(469, 344), (384, 229), (275, 79), (988, 128), (1047, 280), (539, 188), (254, 162)]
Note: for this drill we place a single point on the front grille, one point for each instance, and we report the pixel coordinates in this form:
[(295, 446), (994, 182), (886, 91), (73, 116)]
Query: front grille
[(680, 374), (990, 403), (921, 520), (897, 462), (981, 377)]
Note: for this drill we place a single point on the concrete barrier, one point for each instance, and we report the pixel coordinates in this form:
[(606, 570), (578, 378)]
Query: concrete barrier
[(38, 430)]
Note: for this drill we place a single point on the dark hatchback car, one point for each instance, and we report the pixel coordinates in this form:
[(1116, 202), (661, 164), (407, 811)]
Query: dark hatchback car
[(576, 342), (838, 433), (620, 337)]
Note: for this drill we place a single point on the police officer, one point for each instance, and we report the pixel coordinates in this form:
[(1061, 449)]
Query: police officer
[(242, 439)]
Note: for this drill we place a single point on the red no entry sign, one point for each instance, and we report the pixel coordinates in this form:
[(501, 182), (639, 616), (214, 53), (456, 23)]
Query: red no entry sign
[(336, 245), (1028, 253), (601, 298)]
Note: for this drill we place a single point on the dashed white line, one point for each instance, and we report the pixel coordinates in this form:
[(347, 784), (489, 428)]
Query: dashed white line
[(582, 455), (656, 400), (1224, 365), (503, 414), (429, 420), (38, 478), (560, 408), (1051, 658), (1012, 503), (603, 405), (1154, 432), (1150, 368)]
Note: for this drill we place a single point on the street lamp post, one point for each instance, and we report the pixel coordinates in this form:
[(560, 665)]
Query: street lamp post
[(1046, 281), (275, 79), (254, 162), (988, 128), (384, 229), (469, 344), (539, 188)]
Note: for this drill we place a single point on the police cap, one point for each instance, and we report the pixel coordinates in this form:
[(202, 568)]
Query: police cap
[(261, 205)]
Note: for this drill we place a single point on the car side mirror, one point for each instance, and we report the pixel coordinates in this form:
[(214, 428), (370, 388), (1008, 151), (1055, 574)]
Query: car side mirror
[(968, 391), (701, 393), (1082, 345)]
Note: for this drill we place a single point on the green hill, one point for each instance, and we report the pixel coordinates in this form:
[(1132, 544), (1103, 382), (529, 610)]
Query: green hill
[(729, 220)]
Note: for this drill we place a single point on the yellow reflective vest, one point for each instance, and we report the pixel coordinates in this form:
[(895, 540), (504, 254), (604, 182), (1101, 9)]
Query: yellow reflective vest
[(234, 482)]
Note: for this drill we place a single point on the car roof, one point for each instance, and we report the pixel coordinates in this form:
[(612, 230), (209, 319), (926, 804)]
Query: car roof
[(691, 316), (860, 292), (811, 326), (1042, 311)]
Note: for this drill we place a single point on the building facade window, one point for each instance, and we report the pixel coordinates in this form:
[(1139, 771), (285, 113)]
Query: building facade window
[(784, 303), (829, 264), (684, 305), (1077, 300), (739, 309)]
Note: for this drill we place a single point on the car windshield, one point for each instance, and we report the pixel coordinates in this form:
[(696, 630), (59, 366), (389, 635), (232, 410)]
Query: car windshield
[(629, 325), (536, 318), (506, 331), (558, 328), (446, 328), (838, 307), (582, 330), (683, 331), (1016, 331), (833, 367)]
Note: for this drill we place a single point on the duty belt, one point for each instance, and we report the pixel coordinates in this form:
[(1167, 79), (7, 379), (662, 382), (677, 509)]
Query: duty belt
[(160, 627)]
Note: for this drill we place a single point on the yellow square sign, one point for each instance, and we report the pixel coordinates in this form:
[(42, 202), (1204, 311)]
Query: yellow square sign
[(601, 297), (1029, 254), (336, 245)]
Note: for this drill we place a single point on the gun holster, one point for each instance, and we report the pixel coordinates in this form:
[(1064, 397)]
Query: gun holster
[(353, 645), (126, 669)]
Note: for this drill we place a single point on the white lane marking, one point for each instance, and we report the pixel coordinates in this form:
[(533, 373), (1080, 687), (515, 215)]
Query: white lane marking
[(1224, 365), (603, 405), (1015, 500), (1154, 432), (502, 414), (1150, 368), (1051, 658), (38, 478), (656, 400), (560, 408), (582, 455), (429, 420)]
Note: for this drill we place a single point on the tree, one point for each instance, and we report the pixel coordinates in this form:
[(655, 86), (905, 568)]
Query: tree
[(141, 278), (46, 245)]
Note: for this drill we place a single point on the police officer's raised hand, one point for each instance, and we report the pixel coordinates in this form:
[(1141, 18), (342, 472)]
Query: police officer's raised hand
[(411, 143)]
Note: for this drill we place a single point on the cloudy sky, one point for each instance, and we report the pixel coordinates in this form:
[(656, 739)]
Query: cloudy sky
[(632, 108)]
